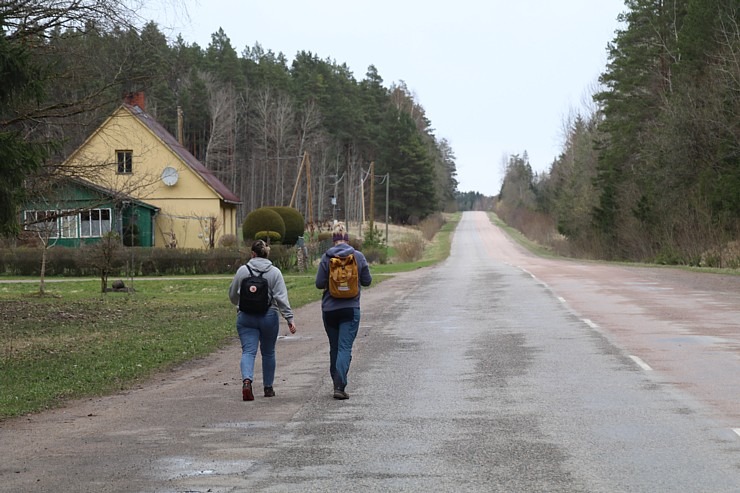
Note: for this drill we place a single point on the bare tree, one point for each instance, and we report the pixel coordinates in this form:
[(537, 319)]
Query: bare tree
[(281, 123), (261, 127), (220, 150), (103, 256), (309, 136), (209, 226), (43, 228)]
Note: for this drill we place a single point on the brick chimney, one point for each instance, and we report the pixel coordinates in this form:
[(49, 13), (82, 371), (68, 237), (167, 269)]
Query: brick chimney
[(135, 99)]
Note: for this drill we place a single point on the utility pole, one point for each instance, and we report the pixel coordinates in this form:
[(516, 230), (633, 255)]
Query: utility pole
[(337, 179), (372, 197), (305, 163), (387, 187)]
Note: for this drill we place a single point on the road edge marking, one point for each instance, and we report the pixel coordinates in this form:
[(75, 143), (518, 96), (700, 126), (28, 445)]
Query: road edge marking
[(640, 363), (590, 323)]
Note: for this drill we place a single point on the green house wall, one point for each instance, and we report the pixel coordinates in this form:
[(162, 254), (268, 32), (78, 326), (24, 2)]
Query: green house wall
[(78, 197)]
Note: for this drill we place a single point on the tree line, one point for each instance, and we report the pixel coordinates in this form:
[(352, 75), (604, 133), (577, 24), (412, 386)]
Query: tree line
[(652, 170), (251, 117)]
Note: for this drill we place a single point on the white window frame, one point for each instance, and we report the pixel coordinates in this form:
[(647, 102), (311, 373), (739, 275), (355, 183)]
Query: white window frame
[(37, 217), (97, 224), (69, 225)]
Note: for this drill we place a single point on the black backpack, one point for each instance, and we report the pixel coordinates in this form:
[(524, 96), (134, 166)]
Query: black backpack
[(254, 294)]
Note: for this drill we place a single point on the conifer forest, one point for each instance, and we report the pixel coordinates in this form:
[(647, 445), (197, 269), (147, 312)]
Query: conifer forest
[(652, 171)]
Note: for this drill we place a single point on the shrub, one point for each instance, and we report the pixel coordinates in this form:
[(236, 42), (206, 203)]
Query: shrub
[(283, 257), (431, 225), (410, 248), (376, 255), (106, 257), (294, 223), (77, 262), (262, 219), (227, 241), (374, 238)]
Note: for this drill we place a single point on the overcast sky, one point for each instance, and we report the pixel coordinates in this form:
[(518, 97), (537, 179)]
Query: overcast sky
[(495, 77)]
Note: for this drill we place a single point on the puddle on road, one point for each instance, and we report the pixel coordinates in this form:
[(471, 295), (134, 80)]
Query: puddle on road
[(171, 468)]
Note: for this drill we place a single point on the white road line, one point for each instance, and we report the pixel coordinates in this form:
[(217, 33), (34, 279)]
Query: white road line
[(641, 363), (590, 323), (737, 431)]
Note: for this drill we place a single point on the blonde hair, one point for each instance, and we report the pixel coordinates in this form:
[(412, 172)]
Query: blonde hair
[(339, 232)]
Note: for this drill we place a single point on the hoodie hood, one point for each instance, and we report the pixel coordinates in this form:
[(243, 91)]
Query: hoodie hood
[(259, 263), (340, 250)]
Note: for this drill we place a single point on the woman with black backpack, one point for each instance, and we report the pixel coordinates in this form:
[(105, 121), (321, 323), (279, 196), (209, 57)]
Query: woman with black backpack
[(258, 290)]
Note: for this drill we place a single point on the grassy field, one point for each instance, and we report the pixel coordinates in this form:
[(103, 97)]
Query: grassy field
[(76, 342)]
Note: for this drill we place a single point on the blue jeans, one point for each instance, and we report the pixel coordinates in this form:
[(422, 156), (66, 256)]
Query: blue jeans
[(262, 331), (341, 327)]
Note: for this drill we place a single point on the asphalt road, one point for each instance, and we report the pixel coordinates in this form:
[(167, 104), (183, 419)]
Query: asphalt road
[(494, 371)]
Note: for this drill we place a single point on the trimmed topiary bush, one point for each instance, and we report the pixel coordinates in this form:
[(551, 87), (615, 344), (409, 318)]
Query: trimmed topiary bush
[(295, 224), (262, 219), (271, 237)]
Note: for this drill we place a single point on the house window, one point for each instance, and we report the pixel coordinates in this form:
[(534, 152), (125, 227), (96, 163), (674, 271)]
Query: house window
[(95, 223), (124, 161), (42, 222), (68, 225)]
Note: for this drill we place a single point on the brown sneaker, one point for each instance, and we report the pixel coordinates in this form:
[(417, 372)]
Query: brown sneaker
[(269, 392), (340, 394), (247, 394)]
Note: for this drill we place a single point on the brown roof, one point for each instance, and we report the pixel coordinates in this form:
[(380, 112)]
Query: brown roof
[(166, 137)]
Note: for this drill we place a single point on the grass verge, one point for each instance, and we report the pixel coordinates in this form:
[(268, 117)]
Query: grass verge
[(76, 342)]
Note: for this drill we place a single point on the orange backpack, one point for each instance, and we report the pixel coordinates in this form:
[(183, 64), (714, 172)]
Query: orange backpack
[(344, 278)]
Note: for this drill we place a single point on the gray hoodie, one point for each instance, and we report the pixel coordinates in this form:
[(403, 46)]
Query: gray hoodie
[(275, 281)]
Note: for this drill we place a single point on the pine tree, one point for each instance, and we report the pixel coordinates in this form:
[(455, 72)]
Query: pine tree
[(638, 78), (18, 157), (412, 179)]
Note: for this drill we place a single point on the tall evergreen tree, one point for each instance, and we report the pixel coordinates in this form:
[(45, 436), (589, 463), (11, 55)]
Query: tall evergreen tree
[(412, 179), (639, 76), (19, 158)]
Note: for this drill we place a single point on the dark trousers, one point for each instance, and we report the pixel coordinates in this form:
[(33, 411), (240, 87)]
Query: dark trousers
[(341, 328)]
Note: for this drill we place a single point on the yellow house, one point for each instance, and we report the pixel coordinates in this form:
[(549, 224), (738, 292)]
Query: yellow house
[(132, 154)]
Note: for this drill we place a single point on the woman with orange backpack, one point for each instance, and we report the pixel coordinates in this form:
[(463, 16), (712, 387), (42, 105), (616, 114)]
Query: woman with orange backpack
[(342, 271)]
